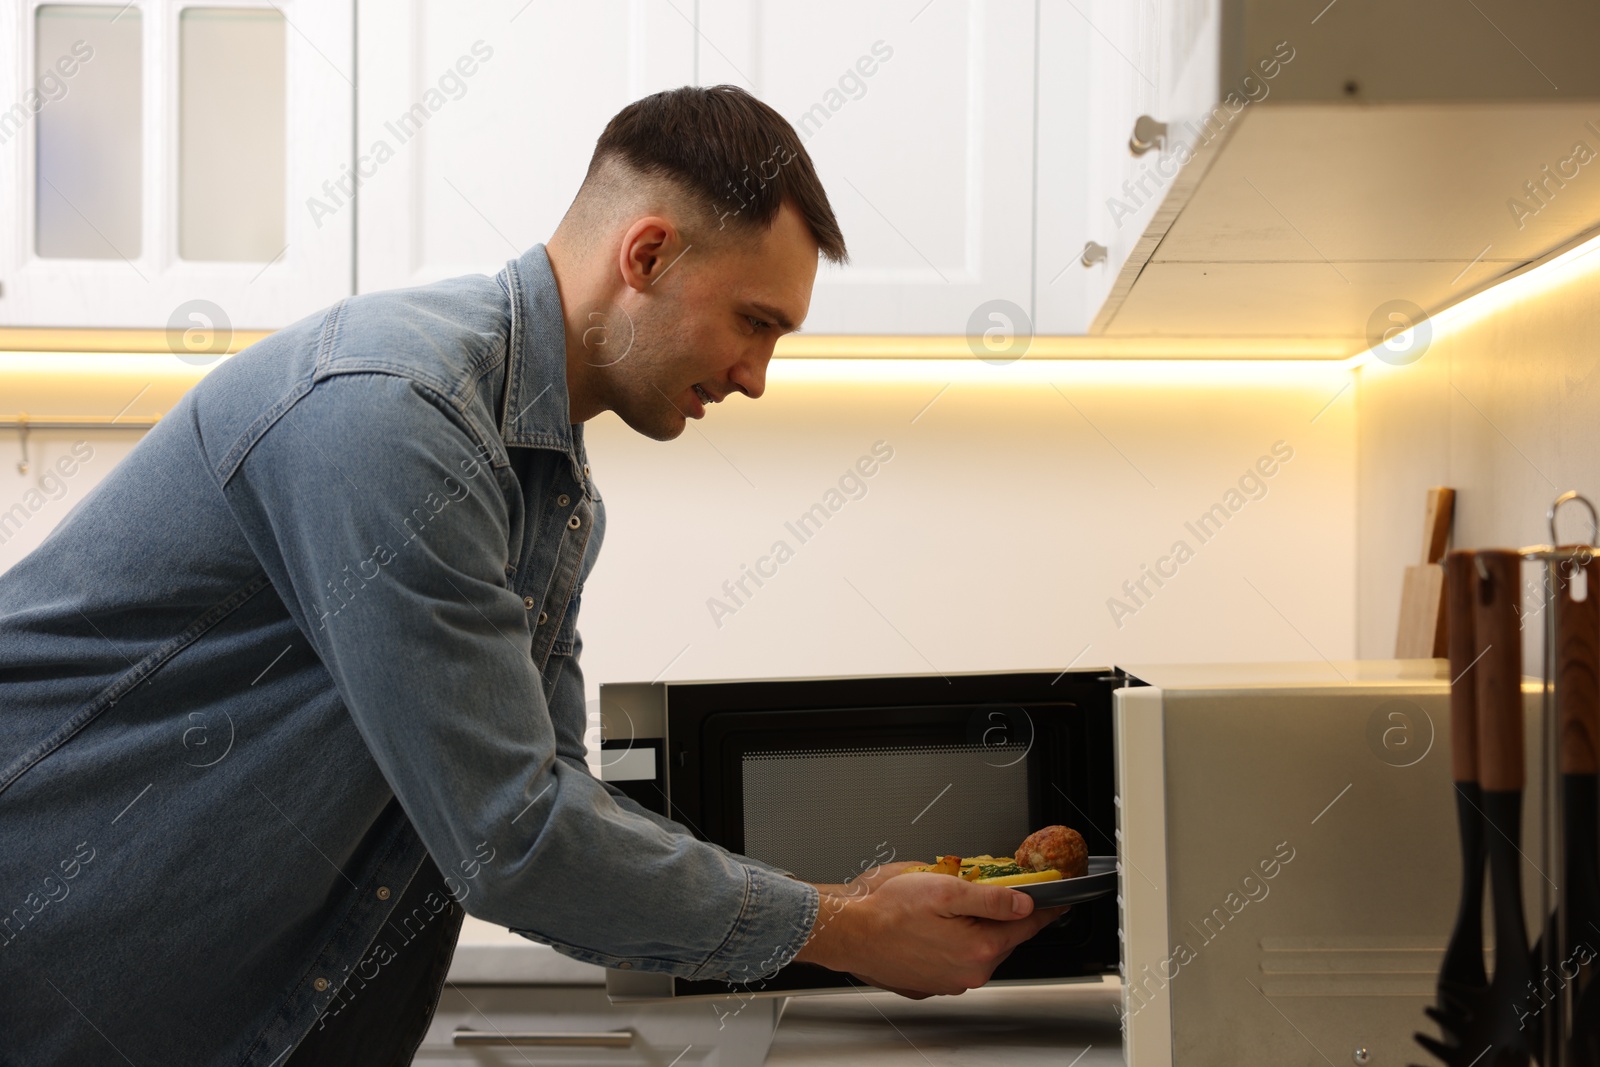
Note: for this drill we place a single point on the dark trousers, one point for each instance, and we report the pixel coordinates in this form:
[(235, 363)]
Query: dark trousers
[(379, 1022)]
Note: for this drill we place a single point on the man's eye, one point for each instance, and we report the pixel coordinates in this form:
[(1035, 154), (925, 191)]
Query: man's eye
[(756, 323)]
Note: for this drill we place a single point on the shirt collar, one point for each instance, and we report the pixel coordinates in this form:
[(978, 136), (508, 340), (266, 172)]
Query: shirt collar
[(536, 412)]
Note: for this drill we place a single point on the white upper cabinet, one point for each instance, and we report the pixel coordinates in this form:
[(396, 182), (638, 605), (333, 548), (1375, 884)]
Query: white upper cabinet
[(477, 120), (919, 118), (997, 166), (160, 162)]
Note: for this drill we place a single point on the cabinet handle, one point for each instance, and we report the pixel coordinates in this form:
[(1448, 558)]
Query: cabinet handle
[(1147, 134), (545, 1039), (1093, 252)]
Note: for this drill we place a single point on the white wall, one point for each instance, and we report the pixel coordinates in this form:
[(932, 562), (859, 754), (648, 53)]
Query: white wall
[(1014, 507), (1504, 406)]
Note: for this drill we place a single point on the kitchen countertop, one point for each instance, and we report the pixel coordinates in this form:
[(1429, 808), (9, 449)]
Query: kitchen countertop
[(1017, 1026)]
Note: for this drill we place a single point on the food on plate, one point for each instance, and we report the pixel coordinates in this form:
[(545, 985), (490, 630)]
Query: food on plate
[(1059, 848), (1052, 853), (985, 870), (943, 865)]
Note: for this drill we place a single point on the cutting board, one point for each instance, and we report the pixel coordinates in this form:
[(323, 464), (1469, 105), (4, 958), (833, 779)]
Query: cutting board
[(1422, 629)]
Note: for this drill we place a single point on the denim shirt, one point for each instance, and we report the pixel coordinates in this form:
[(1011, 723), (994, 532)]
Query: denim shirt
[(319, 624)]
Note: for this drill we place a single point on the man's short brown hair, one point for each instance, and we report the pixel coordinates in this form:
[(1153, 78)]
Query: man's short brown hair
[(729, 152)]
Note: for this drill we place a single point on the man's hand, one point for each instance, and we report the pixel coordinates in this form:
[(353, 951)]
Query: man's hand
[(865, 882), (922, 934)]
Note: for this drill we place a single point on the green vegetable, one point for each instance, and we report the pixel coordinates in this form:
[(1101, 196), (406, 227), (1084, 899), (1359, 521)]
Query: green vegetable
[(997, 870)]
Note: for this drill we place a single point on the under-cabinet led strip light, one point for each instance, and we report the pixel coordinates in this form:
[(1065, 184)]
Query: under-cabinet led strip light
[(1562, 267), (103, 376)]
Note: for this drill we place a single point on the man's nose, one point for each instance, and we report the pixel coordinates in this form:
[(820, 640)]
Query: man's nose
[(750, 374)]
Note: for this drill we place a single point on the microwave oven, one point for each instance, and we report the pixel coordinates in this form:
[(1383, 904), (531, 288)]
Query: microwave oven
[(827, 777), (1285, 833)]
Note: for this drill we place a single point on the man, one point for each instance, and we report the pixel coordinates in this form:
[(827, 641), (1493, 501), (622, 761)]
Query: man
[(299, 681)]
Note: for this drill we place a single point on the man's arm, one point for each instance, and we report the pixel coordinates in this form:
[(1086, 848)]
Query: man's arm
[(384, 530), (569, 712)]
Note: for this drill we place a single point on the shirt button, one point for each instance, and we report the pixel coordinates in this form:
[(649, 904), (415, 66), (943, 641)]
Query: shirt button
[(383, 892), (544, 617), (321, 985), (527, 602), (574, 522), (563, 500), (624, 965)]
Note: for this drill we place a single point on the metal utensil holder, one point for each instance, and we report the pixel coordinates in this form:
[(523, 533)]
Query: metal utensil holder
[(1555, 993)]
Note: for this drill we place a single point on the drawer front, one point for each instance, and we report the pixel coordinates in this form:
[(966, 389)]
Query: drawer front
[(557, 1026)]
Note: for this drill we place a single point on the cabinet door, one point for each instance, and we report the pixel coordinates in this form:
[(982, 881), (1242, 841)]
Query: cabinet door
[(1131, 58), (1190, 47), (919, 118), (162, 158), (1067, 292), (1088, 103), (477, 120), (1124, 188)]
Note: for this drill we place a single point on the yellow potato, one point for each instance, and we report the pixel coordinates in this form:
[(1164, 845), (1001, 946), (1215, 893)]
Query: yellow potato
[(1021, 879), (945, 865)]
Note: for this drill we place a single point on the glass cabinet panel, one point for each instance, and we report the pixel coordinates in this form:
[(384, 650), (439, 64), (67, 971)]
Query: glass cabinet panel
[(231, 108), (89, 71)]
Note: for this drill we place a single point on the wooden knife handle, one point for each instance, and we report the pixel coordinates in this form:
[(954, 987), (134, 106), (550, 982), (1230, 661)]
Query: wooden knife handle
[(1578, 667), (1498, 636), (1460, 582), (1436, 523)]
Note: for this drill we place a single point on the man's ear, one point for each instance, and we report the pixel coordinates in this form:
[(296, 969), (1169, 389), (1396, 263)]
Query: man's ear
[(649, 247)]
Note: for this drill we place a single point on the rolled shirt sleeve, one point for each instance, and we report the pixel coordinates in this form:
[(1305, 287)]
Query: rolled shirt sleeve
[(386, 533)]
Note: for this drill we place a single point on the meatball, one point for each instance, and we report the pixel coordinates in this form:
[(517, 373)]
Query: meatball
[(1058, 847)]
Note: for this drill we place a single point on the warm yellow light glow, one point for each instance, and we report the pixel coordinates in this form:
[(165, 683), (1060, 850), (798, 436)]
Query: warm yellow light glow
[(1027, 371), (69, 339), (956, 347), (94, 386), (794, 346), (1570, 265), (67, 366), (138, 386)]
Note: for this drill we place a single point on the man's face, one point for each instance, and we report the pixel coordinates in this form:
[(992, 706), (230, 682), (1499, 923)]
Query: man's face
[(704, 327)]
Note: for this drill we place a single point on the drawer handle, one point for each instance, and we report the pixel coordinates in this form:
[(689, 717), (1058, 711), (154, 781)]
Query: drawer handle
[(1148, 133), (544, 1039)]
